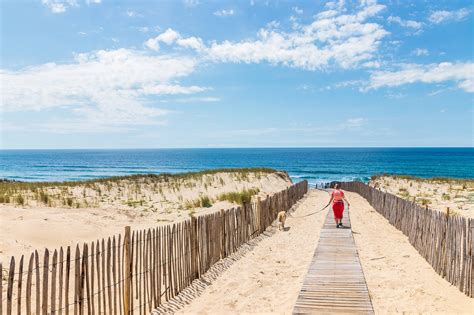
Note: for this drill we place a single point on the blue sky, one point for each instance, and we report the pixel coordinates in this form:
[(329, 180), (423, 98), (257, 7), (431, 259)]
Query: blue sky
[(152, 74)]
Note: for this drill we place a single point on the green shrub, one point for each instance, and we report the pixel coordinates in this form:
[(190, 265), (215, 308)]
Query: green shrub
[(424, 201), (205, 202), (20, 200), (245, 196), (43, 197), (446, 197)]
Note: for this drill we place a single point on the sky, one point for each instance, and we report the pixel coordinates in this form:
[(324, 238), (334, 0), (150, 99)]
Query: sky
[(248, 73)]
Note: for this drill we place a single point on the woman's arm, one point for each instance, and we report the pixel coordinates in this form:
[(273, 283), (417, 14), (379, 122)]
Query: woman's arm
[(347, 201), (330, 199)]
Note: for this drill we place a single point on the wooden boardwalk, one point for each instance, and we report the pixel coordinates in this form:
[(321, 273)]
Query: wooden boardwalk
[(335, 282)]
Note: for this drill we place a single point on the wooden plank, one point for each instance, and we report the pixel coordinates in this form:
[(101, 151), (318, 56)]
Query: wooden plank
[(92, 275), (159, 279), (82, 275), (139, 271), (20, 279), (66, 284), (44, 305), (11, 278), (77, 278), (109, 280), (85, 273), (119, 273), (335, 281), (29, 280), (97, 260), (132, 252), (53, 282), (114, 274), (153, 267), (61, 281), (126, 275), (104, 288)]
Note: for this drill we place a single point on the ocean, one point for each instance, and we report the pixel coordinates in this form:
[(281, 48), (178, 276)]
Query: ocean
[(317, 165)]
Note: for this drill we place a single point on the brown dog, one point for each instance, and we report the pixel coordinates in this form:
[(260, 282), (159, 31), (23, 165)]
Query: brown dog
[(281, 220)]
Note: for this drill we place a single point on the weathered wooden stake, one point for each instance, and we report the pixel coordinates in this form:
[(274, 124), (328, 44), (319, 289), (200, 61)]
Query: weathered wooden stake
[(126, 277)]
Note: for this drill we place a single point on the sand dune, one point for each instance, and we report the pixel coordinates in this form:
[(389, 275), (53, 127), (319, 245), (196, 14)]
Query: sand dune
[(109, 207), (439, 194)]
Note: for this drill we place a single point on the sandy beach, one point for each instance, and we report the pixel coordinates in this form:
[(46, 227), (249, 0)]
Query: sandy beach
[(267, 278), (439, 194), (398, 278), (36, 226)]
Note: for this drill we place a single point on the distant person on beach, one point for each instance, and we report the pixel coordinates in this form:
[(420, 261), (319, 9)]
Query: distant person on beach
[(337, 199)]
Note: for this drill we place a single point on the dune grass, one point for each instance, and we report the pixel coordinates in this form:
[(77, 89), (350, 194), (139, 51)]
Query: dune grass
[(450, 180), (93, 191), (244, 196)]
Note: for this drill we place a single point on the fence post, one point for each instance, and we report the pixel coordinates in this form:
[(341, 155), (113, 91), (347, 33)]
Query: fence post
[(194, 248), (127, 279), (223, 249), (259, 215)]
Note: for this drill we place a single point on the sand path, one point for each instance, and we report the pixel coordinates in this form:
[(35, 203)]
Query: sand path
[(268, 276), (398, 278)]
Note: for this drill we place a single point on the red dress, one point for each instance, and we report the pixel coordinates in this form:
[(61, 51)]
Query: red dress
[(338, 204)]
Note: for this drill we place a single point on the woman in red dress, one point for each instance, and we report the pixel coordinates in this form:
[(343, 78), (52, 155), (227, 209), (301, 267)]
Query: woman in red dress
[(337, 199)]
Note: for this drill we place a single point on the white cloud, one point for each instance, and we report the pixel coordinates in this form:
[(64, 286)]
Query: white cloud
[(143, 29), (345, 40), (420, 52), (297, 10), (204, 99), (405, 23), (59, 6), (103, 87), (441, 16), (461, 73), (170, 37), (356, 122), (339, 5), (372, 64), (133, 14), (191, 3), (336, 39), (224, 13)]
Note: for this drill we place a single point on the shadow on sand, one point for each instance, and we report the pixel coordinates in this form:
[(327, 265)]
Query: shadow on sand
[(198, 286)]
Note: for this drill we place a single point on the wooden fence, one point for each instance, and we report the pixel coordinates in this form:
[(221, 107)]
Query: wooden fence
[(445, 241), (135, 272)]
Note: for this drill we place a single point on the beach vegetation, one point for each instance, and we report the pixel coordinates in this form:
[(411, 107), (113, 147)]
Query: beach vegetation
[(445, 196), (403, 192), (20, 200), (464, 182), (424, 201), (202, 202), (205, 202), (133, 190), (242, 197)]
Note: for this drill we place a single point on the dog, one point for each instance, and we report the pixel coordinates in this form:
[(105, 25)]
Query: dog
[(281, 220)]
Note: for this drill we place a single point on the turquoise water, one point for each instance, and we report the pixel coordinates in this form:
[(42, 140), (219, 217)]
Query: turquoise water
[(317, 165)]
